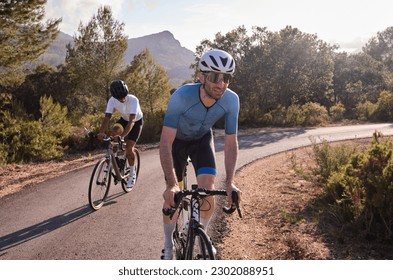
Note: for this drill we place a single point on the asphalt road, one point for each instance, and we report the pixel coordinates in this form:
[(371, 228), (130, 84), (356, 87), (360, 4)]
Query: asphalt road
[(53, 220)]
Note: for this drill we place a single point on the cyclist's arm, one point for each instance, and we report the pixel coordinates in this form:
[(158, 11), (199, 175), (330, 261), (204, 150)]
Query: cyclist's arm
[(231, 152), (104, 125), (168, 135), (129, 126)]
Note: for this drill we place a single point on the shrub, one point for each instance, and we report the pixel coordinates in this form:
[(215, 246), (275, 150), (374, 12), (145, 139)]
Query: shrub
[(329, 159), (315, 114), (363, 188), (37, 140), (384, 109), (337, 112), (294, 115), (152, 127), (365, 111)]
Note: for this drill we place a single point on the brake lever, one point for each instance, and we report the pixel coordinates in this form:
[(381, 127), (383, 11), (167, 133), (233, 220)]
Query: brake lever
[(172, 210), (234, 205)]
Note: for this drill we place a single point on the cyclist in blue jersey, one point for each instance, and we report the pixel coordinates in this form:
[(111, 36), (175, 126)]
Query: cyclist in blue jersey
[(192, 111), (129, 126)]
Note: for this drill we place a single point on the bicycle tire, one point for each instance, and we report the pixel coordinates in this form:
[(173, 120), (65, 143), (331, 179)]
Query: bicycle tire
[(100, 182), (180, 232), (127, 171), (199, 246)]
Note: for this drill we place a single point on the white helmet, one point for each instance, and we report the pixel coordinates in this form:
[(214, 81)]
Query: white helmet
[(217, 61)]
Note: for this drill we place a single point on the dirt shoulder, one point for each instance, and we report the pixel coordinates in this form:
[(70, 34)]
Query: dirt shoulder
[(280, 222)]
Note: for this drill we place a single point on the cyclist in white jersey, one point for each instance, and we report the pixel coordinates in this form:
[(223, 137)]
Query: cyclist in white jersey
[(129, 126), (192, 111)]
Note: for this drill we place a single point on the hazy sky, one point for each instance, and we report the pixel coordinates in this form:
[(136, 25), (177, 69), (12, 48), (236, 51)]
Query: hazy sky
[(345, 22)]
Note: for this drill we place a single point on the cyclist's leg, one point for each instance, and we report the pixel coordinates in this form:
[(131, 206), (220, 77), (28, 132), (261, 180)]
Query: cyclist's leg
[(132, 139), (203, 158), (117, 129), (179, 157)]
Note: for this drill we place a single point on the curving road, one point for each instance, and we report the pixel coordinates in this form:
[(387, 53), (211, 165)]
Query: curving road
[(53, 220)]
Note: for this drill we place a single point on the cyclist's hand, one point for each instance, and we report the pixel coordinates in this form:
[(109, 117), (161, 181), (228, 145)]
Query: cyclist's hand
[(230, 189), (100, 136), (169, 195)]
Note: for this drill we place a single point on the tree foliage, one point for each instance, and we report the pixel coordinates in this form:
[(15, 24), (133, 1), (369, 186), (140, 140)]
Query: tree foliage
[(284, 78), (380, 47), (94, 60), (23, 37), (148, 81), (23, 140)]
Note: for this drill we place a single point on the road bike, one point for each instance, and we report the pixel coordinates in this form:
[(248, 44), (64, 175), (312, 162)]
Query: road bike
[(191, 242), (114, 164)]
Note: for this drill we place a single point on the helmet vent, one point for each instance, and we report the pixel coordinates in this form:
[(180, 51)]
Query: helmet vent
[(224, 61), (214, 60)]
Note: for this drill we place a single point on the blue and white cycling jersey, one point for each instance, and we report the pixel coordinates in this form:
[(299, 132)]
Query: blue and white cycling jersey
[(192, 119)]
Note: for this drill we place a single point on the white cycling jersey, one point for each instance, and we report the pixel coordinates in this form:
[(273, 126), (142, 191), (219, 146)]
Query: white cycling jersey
[(129, 107)]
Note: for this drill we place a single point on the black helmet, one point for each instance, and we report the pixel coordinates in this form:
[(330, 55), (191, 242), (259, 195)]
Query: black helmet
[(118, 89)]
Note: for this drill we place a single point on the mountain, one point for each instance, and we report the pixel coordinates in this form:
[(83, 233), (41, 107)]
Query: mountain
[(167, 52), (163, 46)]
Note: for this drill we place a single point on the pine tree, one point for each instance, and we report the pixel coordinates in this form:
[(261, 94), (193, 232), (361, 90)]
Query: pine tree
[(148, 81), (95, 59), (23, 37)]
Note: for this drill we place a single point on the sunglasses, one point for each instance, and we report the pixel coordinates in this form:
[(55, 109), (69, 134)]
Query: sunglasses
[(214, 77)]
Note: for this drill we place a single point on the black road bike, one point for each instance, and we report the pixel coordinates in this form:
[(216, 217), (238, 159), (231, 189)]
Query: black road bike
[(191, 242), (114, 164)]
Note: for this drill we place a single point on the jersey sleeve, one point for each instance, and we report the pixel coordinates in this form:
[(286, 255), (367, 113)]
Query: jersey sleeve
[(134, 105), (232, 116), (110, 106), (173, 111)]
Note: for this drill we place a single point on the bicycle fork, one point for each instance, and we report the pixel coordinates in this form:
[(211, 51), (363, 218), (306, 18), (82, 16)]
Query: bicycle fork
[(193, 224), (106, 172)]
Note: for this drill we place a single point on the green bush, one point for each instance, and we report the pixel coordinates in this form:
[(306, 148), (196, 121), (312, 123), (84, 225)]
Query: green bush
[(337, 112), (152, 127), (294, 115), (329, 159), (365, 111), (36, 140), (315, 114), (384, 111), (278, 116), (363, 188)]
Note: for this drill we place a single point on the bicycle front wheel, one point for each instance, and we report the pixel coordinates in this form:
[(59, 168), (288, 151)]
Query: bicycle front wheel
[(180, 232), (100, 182), (199, 246)]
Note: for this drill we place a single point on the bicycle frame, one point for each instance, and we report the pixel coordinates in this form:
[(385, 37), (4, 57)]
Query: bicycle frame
[(194, 220), (184, 236), (111, 156)]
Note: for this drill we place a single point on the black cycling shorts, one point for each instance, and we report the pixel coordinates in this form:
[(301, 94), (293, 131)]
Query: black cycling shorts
[(201, 152), (136, 130)]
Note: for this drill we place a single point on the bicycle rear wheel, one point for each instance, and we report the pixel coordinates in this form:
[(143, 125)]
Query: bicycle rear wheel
[(127, 171), (100, 182), (199, 246)]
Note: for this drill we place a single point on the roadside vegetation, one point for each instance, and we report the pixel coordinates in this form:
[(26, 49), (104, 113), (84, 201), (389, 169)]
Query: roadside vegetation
[(286, 78), (357, 183)]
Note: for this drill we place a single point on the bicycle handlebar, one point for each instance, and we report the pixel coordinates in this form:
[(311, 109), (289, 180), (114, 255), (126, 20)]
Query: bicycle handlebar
[(120, 141), (204, 192)]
